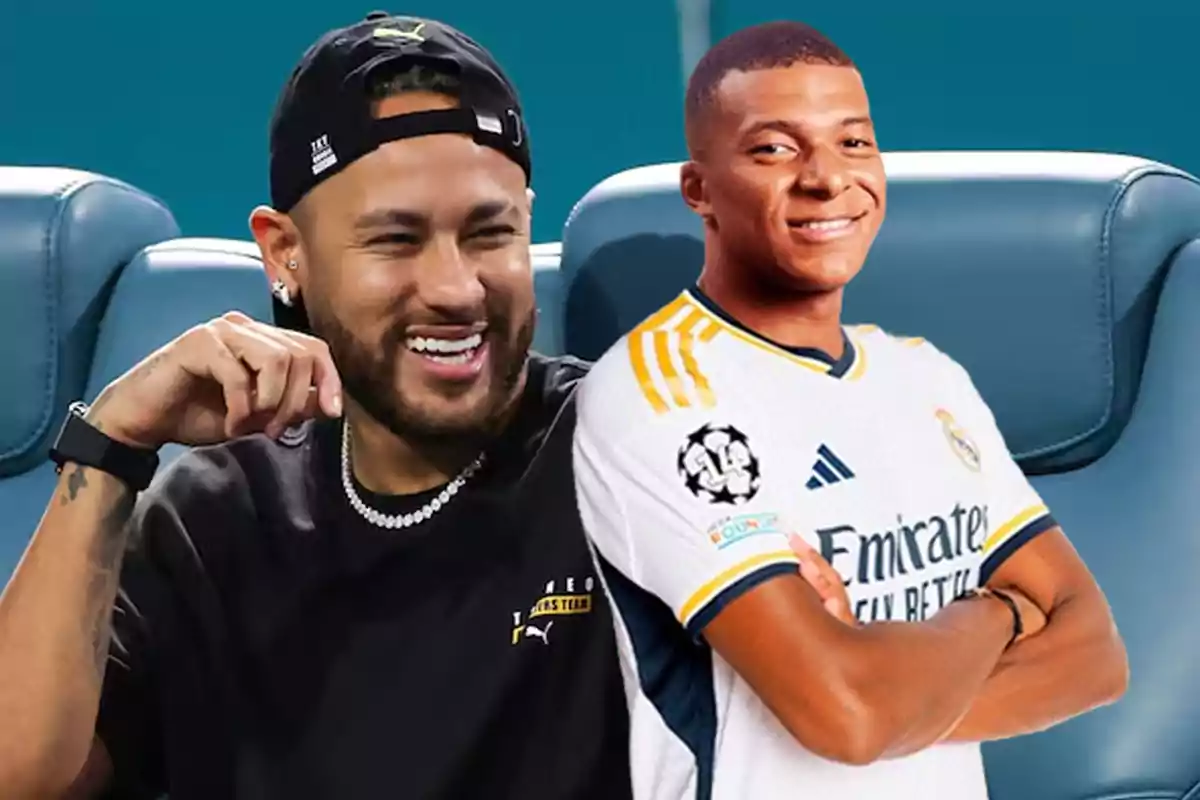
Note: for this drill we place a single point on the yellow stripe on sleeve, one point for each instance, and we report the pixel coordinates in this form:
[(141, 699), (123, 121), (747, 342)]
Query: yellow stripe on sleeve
[(707, 398), (637, 352), (662, 352), (693, 318), (641, 372), (687, 343), (998, 536), (726, 578), (656, 358)]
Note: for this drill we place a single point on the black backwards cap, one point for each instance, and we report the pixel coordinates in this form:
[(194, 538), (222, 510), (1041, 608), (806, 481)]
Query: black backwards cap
[(324, 120)]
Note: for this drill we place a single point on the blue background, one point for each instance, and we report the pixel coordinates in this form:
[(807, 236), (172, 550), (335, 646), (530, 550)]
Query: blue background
[(175, 99)]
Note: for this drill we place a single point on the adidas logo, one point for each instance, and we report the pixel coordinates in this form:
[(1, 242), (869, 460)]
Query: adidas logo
[(828, 469)]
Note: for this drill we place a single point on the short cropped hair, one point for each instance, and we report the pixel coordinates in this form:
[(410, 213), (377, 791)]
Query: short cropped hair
[(418, 78), (767, 46)]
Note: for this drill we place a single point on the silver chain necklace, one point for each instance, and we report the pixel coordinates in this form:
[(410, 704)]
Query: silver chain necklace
[(397, 521)]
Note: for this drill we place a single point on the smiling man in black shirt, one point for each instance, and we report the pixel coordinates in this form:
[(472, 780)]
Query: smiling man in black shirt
[(369, 579)]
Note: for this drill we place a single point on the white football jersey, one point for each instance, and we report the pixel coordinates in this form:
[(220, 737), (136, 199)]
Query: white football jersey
[(699, 445)]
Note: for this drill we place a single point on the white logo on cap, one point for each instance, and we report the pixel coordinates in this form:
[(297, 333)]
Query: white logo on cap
[(323, 156), (488, 122), (414, 35)]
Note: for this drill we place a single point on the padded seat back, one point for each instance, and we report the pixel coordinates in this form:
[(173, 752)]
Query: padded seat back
[(547, 288), (169, 288), (65, 235), (1132, 516)]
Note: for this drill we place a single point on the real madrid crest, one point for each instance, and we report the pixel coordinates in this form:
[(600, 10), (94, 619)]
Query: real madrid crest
[(960, 441)]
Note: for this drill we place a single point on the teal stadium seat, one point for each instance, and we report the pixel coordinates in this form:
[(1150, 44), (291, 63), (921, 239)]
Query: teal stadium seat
[(1068, 285), (547, 288), (168, 288), (64, 238)]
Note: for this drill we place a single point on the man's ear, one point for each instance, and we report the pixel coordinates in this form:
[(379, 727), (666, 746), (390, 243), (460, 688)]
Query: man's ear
[(695, 192), (278, 241)]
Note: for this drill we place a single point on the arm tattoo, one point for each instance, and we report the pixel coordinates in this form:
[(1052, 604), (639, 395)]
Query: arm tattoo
[(104, 558), (105, 564), (76, 482)]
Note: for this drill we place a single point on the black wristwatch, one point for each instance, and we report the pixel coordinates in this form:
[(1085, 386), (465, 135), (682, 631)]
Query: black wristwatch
[(1004, 597), (80, 442)]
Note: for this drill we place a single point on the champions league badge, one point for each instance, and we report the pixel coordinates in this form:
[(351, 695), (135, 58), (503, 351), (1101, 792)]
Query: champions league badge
[(717, 465), (960, 442)]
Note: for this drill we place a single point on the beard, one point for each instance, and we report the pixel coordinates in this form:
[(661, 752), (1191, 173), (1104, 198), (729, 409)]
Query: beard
[(370, 374)]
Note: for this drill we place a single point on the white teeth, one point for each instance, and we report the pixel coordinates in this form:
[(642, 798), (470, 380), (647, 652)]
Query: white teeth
[(453, 347), (461, 358), (446, 351), (827, 224)]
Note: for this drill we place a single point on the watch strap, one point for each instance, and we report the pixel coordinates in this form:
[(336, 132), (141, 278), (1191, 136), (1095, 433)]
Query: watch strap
[(82, 443)]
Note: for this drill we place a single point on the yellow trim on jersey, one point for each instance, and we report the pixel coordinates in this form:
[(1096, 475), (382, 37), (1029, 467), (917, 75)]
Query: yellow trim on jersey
[(814, 364), (637, 354), (670, 336), (689, 323), (715, 321), (686, 343), (860, 361), (907, 341), (667, 340), (727, 578), (1015, 524), (662, 352)]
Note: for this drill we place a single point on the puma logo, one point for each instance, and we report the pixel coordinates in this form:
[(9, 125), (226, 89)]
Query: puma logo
[(539, 633), (569, 597)]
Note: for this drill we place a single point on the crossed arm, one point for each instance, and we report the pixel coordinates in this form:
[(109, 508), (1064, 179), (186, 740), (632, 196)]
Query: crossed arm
[(888, 689), (1075, 663), (852, 693), (858, 693)]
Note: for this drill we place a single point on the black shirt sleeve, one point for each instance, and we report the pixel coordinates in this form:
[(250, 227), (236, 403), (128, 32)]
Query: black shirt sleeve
[(129, 722)]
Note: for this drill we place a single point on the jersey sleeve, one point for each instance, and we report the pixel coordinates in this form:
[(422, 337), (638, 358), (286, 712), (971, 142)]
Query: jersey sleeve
[(1016, 512), (674, 500)]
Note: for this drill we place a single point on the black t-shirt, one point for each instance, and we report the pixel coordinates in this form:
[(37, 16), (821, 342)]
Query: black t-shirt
[(270, 643)]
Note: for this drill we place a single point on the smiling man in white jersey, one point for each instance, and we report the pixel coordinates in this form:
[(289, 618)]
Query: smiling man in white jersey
[(744, 411)]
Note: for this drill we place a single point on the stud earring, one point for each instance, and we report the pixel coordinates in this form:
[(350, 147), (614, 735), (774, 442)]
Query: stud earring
[(292, 264), (282, 292)]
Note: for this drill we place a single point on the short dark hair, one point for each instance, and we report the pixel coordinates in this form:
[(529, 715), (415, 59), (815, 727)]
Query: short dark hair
[(417, 78), (766, 46)]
